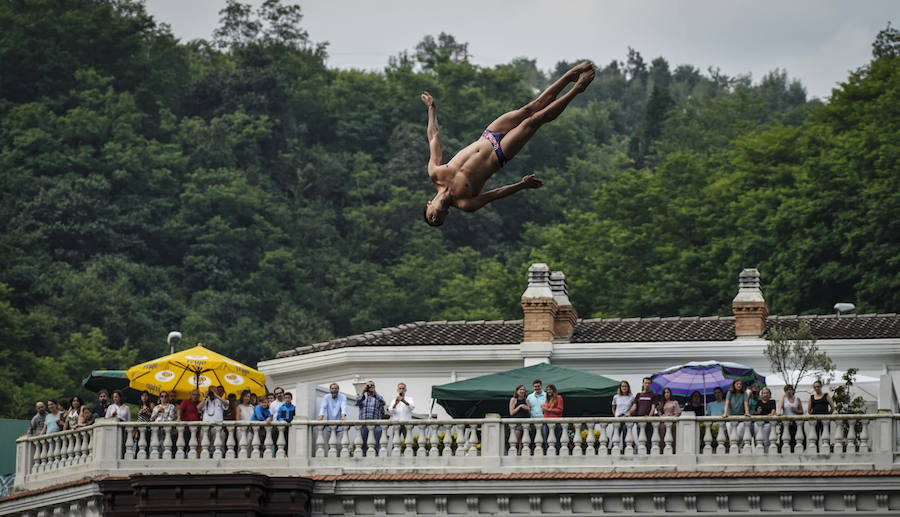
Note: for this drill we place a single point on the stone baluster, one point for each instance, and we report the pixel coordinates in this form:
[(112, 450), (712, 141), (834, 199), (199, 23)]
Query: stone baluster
[(218, 451), (705, 439), (411, 441), (474, 445), (268, 443), (511, 442), (668, 449), (809, 428), (167, 442), (83, 447), (851, 436), (539, 440), (332, 441), (864, 445), (75, 447), (578, 440), (429, 434), (255, 444), (609, 444), (383, 444), (205, 446), (720, 436), (839, 439), (345, 441), (642, 440), (630, 447), (825, 439), (591, 442), (551, 440), (778, 441), (37, 458), (395, 440), (281, 452), (193, 451), (320, 441), (51, 463), (70, 448), (357, 440), (758, 448), (129, 443), (746, 439), (526, 440), (370, 442), (230, 438), (564, 440), (243, 434), (154, 443), (180, 451), (654, 439), (140, 437)]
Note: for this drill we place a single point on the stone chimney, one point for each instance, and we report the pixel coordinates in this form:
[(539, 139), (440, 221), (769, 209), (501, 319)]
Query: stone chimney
[(566, 317), (749, 306), (538, 305)]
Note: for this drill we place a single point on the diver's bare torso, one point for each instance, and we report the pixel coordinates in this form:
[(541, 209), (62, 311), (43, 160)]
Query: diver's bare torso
[(466, 173)]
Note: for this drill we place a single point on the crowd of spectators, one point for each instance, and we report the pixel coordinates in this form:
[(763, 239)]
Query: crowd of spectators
[(66, 414), (738, 401)]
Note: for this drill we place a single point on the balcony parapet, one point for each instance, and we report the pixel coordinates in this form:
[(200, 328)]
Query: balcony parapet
[(490, 445)]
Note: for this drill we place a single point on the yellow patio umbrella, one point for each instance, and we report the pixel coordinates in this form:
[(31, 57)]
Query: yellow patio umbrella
[(196, 367)]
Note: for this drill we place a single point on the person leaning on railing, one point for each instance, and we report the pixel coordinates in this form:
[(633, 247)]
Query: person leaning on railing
[(668, 406), (820, 403), (736, 404), (518, 408), (621, 403), (644, 405), (765, 407), (553, 408), (790, 405), (86, 418)]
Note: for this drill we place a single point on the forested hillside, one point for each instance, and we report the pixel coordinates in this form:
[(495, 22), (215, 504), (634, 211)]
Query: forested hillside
[(239, 190)]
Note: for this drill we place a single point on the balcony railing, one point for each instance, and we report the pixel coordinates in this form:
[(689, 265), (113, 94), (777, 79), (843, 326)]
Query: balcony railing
[(683, 444)]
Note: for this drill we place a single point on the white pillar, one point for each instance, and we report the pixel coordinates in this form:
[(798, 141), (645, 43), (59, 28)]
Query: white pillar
[(492, 446)]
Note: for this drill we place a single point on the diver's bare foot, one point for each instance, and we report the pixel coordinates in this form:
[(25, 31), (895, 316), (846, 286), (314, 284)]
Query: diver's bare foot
[(585, 80), (584, 66)]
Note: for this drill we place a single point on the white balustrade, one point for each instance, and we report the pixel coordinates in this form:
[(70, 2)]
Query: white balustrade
[(467, 445)]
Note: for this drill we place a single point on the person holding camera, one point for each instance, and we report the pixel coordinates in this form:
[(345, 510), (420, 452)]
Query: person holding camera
[(371, 407), (212, 407)]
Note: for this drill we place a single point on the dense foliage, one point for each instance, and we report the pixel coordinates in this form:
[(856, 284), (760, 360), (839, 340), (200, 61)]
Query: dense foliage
[(244, 193)]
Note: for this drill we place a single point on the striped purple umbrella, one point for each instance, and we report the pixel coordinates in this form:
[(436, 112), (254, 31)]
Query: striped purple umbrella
[(703, 376)]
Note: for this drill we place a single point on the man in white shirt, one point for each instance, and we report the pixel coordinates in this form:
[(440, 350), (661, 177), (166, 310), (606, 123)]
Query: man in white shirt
[(274, 405), (212, 407), (402, 407)]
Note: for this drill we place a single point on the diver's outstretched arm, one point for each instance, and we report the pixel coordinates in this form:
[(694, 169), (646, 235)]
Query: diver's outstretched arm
[(434, 140)]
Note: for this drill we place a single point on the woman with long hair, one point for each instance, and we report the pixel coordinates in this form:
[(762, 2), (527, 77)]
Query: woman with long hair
[(518, 408), (245, 408), (668, 406), (736, 404), (790, 405), (71, 416), (145, 407), (765, 407), (553, 408), (621, 403)]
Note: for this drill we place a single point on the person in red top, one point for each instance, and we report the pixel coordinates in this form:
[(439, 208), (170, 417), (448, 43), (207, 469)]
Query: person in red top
[(553, 408), (187, 410)]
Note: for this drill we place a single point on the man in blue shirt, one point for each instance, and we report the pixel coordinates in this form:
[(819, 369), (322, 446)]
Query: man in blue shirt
[(371, 407), (334, 407), (535, 401), (287, 409)]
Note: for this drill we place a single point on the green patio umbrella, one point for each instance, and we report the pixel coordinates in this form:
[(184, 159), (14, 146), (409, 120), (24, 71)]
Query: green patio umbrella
[(112, 380), (582, 392)]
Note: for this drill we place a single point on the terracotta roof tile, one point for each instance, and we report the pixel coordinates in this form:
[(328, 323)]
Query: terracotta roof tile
[(606, 475), (609, 330)]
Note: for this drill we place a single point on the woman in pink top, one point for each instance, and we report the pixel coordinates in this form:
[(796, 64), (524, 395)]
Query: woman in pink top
[(668, 406), (553, 408)]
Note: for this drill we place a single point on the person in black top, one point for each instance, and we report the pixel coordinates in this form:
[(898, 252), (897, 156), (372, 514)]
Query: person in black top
[(695, 404), (518, 408), (820, 404), (765, 407)]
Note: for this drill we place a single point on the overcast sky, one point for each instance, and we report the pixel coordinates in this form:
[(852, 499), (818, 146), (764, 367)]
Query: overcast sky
[(818, 41)]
